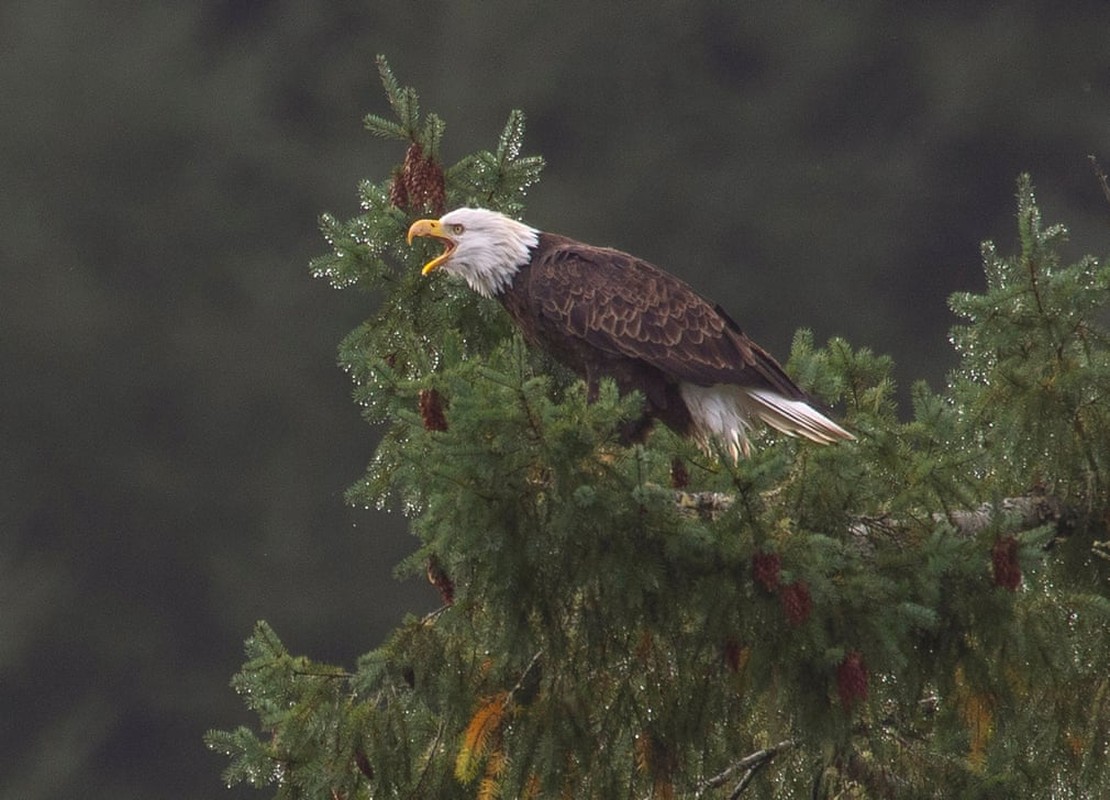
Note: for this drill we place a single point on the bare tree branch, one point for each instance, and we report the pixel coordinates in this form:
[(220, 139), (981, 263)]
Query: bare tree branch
[(751, 763), (1021, 513), (1101, 177)]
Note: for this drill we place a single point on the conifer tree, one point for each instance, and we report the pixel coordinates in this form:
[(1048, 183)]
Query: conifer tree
[(921, 613)]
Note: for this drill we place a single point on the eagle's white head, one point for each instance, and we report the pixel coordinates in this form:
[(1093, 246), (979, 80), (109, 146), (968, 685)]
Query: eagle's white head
[(482, 246)]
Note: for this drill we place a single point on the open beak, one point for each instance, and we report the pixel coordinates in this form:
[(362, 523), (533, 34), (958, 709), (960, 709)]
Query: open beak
[(433, 228)]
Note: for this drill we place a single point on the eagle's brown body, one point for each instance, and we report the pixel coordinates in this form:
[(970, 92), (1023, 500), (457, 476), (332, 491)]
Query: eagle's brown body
[(605, 313)]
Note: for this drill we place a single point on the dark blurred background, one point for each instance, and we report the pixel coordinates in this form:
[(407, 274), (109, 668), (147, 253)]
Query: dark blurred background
[(176, 437)]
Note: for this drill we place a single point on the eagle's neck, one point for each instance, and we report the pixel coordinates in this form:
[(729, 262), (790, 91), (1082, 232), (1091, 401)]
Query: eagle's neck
[(491, 263)]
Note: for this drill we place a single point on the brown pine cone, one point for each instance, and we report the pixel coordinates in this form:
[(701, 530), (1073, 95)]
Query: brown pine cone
[(1007, 569), (424, 182), (797, 603), (851, 679), (765, 569), (430, 403), (439, 578)]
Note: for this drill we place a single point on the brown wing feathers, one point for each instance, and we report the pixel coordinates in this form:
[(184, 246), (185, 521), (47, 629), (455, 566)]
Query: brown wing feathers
[(625, 306)]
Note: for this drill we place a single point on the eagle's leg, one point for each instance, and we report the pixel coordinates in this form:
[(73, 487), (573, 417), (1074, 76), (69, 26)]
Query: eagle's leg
[(635, 431), (594, 374)]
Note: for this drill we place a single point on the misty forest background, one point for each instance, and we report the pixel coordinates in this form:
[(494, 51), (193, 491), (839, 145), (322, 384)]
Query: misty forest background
[(176, 438)]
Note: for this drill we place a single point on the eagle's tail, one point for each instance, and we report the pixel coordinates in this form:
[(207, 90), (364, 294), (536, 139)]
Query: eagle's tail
[(728, 413), (794, 417)]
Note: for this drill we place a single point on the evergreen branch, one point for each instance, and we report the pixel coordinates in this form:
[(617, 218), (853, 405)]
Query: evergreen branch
[(480, 734), (402, 99), (417, 789), (418, 461), (385, 74), (527, 670), (385, 128), (751, 763), (533, 422), (433, 134), (432, 616), (326, 672)]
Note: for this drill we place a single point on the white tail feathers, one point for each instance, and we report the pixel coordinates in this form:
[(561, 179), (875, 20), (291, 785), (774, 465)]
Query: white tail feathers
[(795, 417), (728, 413)]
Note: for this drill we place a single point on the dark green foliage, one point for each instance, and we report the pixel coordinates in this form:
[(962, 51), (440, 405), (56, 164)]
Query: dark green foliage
[(1036, 362), (606, 636)]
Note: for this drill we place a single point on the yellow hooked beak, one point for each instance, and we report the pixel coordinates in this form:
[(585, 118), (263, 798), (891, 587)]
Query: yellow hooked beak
[(435, 229)]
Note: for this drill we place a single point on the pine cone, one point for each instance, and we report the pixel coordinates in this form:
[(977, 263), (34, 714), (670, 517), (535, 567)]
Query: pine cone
[(735, 655), (765, 569), (439, 578), (424, 185), (430, 403), (1007, 569), (363, 763), (418, 185), (851, 679), (797, 603), (398, 193)]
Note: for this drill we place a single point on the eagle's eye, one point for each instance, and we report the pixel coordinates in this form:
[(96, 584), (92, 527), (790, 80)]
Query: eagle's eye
[(457, 229)]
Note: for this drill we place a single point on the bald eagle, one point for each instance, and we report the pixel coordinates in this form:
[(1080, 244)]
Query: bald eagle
[(605, 313)]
